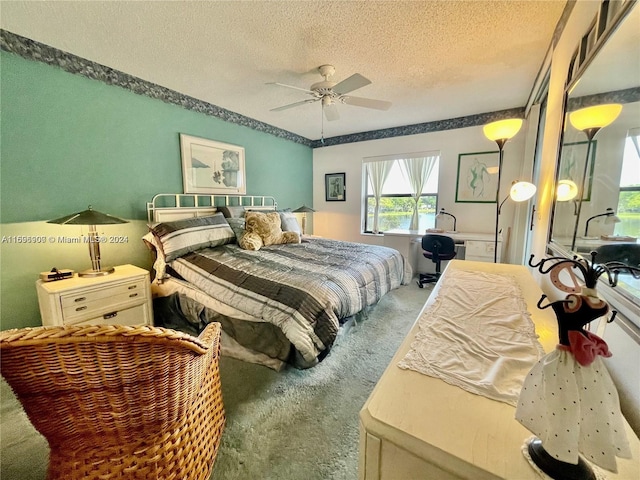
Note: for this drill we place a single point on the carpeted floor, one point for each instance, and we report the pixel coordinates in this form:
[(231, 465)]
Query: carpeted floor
[(283, 425)]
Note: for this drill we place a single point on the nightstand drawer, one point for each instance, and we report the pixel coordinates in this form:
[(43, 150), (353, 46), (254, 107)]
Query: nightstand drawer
[(88, 309), (129, 316), (90, 297)]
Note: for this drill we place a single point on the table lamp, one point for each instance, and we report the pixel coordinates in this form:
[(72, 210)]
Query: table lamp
[(442, 213), (304, 210), (92, 218), (610, 215)]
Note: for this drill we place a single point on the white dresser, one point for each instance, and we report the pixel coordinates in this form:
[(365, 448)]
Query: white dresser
[(415, 427), (122, 298)]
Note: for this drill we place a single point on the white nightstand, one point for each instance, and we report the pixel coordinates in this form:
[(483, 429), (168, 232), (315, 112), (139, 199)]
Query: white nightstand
[(122, 298)]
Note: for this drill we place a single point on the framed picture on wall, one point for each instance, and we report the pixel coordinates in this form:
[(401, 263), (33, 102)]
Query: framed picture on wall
[(572, 158), (477, 177), (334, 187), (212, 167)]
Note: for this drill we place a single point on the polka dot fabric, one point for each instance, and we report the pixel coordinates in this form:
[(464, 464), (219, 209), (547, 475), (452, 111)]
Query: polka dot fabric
[(574, 409)]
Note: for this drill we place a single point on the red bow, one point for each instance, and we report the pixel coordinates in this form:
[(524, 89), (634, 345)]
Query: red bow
[(585, 346)]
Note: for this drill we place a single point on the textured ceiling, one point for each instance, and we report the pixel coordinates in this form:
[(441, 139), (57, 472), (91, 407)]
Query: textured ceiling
[(434, 60)]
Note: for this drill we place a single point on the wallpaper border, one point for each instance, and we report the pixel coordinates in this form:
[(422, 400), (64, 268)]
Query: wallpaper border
[(33, 50)]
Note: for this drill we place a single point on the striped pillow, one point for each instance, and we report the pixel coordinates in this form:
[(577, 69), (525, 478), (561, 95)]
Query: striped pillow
[(184, 236)]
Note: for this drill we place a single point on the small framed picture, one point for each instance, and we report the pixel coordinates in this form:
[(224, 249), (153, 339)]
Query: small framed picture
[(212, 167), (334, 187)]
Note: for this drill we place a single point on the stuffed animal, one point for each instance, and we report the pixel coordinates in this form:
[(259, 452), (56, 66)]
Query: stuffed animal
[(263, 229)]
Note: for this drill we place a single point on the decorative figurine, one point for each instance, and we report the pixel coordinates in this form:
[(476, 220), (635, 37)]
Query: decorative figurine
[(568, 399)]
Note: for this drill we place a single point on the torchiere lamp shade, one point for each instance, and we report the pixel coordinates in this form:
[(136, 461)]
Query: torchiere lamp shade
[(92, 218), (502, 130), (595, 118)]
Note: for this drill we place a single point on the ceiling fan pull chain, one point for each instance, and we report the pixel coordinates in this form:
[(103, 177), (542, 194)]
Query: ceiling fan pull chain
[(322, 126)]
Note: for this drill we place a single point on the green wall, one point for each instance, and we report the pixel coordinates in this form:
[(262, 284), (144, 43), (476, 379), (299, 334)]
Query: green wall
[(67, 141)]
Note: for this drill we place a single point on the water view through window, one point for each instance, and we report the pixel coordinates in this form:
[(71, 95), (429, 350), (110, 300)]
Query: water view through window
[(396, 201), (395, 212)]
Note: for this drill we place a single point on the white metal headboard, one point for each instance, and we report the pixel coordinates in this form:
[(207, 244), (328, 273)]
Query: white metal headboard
[(166, 207)]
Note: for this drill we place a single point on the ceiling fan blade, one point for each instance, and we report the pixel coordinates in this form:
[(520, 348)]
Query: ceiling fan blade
[(291, 105), (350, 84), (331, 112), (291, 86), (367, 102)]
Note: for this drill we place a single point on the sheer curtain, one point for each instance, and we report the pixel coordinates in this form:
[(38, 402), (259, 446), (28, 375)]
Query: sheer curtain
[(378, 173), (417, 171)]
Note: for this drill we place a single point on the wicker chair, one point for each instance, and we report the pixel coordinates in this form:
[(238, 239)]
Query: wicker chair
[(119, 401)]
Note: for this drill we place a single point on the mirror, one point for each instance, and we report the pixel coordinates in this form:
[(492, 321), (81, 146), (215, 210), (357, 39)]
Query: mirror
[(605, 214)]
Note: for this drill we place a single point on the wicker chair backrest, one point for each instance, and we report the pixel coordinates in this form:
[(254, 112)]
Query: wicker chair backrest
[(106, 390)]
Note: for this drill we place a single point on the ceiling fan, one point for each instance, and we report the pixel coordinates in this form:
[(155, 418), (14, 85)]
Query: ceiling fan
[(331, 93)]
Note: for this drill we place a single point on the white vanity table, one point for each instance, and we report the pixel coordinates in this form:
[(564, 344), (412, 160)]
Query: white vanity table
[(415, 426), (477, 246)]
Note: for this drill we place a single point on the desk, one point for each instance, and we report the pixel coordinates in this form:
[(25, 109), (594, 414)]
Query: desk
[(477, 246), (414, 426)]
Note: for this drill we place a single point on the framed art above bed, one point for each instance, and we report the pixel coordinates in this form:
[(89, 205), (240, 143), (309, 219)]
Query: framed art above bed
[(212, 167)]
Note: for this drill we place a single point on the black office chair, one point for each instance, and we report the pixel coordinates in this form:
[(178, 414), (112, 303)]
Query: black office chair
[(626, 253), (437, 248)]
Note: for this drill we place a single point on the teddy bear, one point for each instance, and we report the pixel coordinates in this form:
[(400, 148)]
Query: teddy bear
[(263, 229)]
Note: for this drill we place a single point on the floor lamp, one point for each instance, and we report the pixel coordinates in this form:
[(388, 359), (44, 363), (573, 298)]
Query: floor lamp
[(500, 132), (92, 218), (590, 120)]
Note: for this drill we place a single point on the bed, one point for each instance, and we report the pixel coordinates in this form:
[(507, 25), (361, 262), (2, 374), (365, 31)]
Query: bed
[(283, 302)]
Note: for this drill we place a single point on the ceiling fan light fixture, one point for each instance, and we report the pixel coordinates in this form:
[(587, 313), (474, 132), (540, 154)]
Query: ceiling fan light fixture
[(331, 93)]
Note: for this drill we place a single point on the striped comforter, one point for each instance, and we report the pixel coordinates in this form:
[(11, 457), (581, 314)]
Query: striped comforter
[(304, 289)]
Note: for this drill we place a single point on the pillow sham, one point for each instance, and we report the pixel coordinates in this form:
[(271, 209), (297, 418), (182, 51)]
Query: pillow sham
[(263, 229), (289, 222), (237, 225), (184, 236)]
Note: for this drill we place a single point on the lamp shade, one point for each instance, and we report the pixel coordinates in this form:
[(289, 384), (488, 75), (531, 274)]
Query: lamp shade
[(304, 209), (502, 129), (567, 190), (597, 117), (521, 191), (92, 218), (88, 217)]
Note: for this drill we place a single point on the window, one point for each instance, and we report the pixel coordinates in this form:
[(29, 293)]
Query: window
[(629, 199), (395, 179)]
